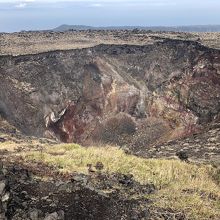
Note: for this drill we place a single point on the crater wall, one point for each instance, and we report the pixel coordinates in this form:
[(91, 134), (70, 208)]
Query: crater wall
[(118, 94)]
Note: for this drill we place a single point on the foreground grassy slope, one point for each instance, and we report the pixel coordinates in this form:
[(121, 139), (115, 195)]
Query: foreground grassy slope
[(189, 188)]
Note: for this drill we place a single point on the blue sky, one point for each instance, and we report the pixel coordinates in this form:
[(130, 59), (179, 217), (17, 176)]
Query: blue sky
[(16, 15)]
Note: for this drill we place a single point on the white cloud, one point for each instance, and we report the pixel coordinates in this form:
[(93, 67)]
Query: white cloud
[(96, 5), (21, 5), (91, 1)]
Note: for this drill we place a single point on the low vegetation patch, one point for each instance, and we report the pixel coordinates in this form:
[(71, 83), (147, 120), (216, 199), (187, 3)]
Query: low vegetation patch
[(181, 186)]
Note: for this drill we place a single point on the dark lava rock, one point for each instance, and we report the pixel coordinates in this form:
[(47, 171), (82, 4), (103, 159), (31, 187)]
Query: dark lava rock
[(4, 195), (182, 155), (2, 139), (126, 180), (98, 197)]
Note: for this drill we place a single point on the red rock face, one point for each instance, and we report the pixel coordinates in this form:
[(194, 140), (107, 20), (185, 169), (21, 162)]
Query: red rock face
[(101, 97), (110, 103), (125, 95)]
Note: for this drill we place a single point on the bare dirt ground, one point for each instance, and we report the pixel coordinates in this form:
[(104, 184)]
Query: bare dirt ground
[(37, 42)]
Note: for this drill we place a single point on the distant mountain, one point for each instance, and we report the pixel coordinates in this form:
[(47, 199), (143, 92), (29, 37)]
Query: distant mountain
[(191, 28), (65, 27)]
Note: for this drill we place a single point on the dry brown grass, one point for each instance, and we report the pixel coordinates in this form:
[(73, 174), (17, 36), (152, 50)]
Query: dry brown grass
[(181, 186)]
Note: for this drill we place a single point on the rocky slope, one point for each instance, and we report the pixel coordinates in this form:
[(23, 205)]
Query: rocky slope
[(52, 186), (202, 147), (24, 197), (119, 94)]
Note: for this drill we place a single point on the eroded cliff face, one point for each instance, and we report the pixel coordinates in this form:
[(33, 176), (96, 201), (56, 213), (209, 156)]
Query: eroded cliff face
[(126, 95)]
